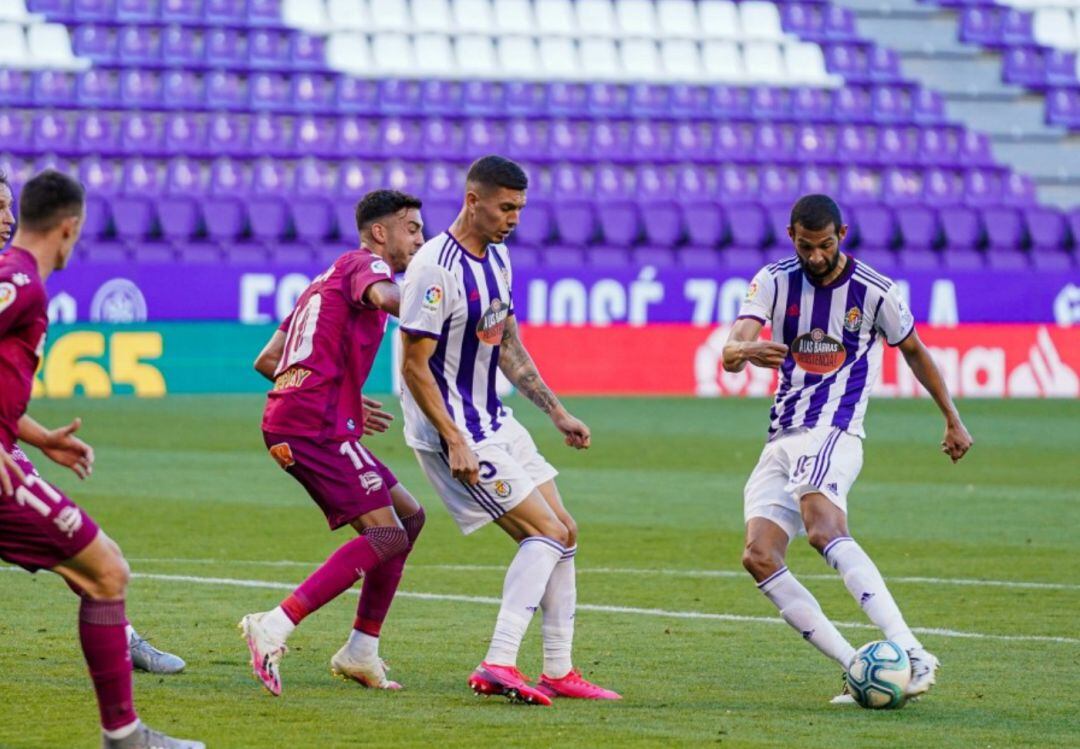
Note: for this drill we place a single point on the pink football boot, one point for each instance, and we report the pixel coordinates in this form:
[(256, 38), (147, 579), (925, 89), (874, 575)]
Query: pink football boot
[(573, 685), (491, 679)]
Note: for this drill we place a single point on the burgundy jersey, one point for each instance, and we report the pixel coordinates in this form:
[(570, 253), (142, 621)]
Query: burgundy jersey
[(24, 319), (332, 336)]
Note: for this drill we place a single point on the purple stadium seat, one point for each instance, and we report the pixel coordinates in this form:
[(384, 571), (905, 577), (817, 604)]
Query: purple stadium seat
[(179, 218), (185, 134), (535, 226), (938, 146), (52, 133), (525, 256), (1019, 190), (649, 100), (96, 88), (439, 214), (313, 219), (315, 136), (961, 228), (566, 98), (225, 12), (1060, 67), (356, 96), (356, 178), (269, 91), (981, 25), (482, 98), (1016, 27), (225, 217), (96, 43), (608, 257), (224, 48), (94, 10), (919, 228), (133, 217), (528, 98), (748, 224), (16, 87), (731, 141), (137, 47), (183, 90), (439, 97), (227, 135), (1004, 229), (860, 185), (839, 23), (181, 11), (140, 89), (564, 257), (962, 260), (876, 227), (983, 187), (1024, 66), (267, 48), (704, 222), (574, 222), (774, 143), (199, 253), (767, 103), (778, 186), (444, 181), (942, 187), (526, 139), (928, 107), (892, 104), (141, 177), (399, 138), (919, 259), (226, 90), (440, 137), (662, 223), (804, 20), (1047, 228), (312, 92), (700, 258), (856, 144), (306, 52), (1063, 107), (813, 104), (96, 133), (52, 88), (345, 215), (141, 134), (818, 180), (619, 222), (106, 253), (183, 178), (661, 257), (609, 140), (883, 261), (315, 178), (100, 177), (613, 183), (180, 46), (569, 139), (401, 97), (98, 219), (14, 132), (743, 260)]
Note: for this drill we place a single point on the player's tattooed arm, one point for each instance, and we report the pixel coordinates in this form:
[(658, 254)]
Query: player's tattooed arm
[(957, 440), (519, 367), (743, 347), (385, 295), (267, 362)]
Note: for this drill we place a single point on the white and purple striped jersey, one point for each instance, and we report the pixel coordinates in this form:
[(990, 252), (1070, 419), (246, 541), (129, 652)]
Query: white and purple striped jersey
[(832, 335), (462, 301)]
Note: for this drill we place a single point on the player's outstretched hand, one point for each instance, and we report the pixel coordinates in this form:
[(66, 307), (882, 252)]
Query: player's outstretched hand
[(957, 440), (375, 419), (463, 464), (9, 473), (63, 447), (576, 433), (765, 353)]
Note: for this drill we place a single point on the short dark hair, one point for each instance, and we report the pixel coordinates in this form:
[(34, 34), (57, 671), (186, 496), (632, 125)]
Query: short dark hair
[(816, 212), (4, 178), (495, 171), (47, 199), (379, 203)]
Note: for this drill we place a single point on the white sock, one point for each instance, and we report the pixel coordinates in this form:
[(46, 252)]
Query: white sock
[(129, 633), (362, 645), (526, 580), (122, 733), (867, 587), (558, 605), (801, 610), (278, 624)]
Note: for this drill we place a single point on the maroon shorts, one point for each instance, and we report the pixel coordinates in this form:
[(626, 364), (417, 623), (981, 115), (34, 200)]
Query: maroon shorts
[(343, 477), (39, 526)]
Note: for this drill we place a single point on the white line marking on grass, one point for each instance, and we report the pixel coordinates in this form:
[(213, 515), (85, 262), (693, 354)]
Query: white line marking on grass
[(659, 613), (1023, 584)]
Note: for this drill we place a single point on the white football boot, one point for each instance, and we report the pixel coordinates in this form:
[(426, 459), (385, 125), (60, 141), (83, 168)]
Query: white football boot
[(370, 672), (924, 666)]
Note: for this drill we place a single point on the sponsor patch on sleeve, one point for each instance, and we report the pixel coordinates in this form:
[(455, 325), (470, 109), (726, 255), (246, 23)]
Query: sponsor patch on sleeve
[(432, 297), (7, 295), (380, 266)]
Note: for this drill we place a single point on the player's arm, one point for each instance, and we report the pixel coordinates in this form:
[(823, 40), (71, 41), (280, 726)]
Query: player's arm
[(417, 351), (957, 440), (519, 367), (267, 362), (384, 295), (743, 347), (60, 445)]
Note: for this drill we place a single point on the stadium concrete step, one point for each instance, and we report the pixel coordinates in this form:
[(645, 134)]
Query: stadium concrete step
[(966, 72)]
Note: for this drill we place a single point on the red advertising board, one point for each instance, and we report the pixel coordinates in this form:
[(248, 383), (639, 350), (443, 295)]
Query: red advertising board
[(993, 361)]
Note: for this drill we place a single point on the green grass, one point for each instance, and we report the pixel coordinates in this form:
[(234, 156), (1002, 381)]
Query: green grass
[(187, 478)]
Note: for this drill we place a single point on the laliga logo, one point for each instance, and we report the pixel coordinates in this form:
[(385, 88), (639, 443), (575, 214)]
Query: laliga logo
[(118, 301)]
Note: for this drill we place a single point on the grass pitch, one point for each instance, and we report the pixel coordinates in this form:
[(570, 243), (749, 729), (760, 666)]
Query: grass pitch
[(205, 517)]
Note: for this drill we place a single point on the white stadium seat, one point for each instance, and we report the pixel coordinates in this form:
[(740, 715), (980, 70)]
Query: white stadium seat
[(514, 17), (432, 15), (719, 19), (393, 53), (805, 63), (763, 62), (475, 55), (347, 15), (681, 59), (599, 59), (760, 20), (13, 51), (349, 52), (636, 18), (555, 17), (389, 15), (518, 57), (595, 18), (640, 59), (722, 60), (305, 15), (49, 46), (434, 55), (678, 18), (14, 11), (1054, 27), (474, 16), (559, 57)]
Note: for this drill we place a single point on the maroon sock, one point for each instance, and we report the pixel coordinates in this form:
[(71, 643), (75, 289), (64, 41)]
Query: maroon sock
[(380, 586), (343, 568), (105, 647)]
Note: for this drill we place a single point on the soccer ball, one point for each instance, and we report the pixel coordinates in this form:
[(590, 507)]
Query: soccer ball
[(879, 674)]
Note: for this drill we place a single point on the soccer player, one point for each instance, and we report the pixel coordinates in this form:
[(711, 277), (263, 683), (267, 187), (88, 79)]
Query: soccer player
[(40, 528), (828, 314), (315, 415), (458, 329)]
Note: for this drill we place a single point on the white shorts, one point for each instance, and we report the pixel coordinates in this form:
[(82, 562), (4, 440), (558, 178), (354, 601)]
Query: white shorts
[(823, 459), (510, 468)]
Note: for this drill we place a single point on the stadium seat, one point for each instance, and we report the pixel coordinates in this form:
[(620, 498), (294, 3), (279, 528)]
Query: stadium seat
[(514, 17), (719, 19), (309, 15), (599, 59), (677, 18), (435, 55), (723, 61), (598, 16), (636, 18), (473, 16), (558, 58), (435, 16), (555, 17), (347, 15), (640, 59)]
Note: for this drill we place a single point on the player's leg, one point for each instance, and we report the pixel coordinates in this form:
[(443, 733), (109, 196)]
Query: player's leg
[(558, 607), (100, 572), (359, 658), (772, 520), (827, 531)]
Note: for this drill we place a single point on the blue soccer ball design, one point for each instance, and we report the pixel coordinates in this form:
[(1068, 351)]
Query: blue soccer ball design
[(879, 674)]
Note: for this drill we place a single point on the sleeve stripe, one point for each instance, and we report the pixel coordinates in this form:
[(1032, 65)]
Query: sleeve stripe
[(761, 320), (905, 337), (420, 333)]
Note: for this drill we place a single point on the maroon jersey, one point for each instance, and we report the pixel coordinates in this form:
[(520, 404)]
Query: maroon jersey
[(331, 342), (24, 319)]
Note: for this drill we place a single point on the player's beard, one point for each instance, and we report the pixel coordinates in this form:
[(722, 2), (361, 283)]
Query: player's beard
[(823, 274)]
